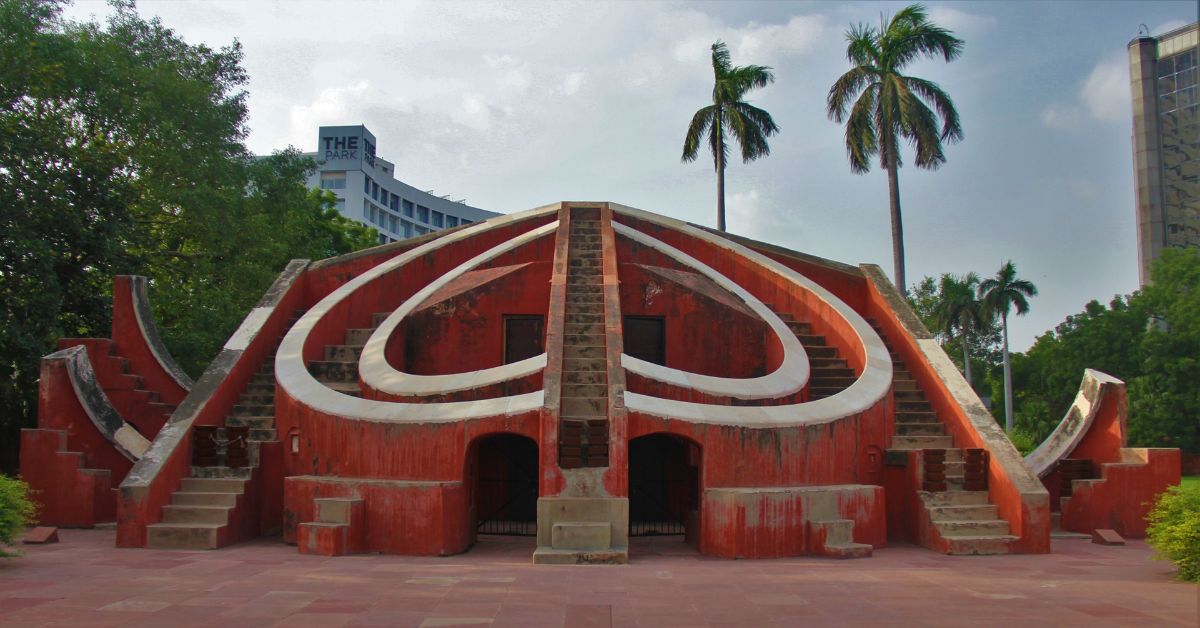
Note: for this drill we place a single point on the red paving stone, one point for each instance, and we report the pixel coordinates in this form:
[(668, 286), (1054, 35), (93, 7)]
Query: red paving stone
[(85, 581)]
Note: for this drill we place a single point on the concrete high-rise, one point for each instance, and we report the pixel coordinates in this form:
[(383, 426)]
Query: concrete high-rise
[(1164, 75)]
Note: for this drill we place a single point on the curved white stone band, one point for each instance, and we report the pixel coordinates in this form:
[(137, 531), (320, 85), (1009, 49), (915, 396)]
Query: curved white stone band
[(291, 372), (378, 374), (793, 371), (870, 387), (1075, 423)]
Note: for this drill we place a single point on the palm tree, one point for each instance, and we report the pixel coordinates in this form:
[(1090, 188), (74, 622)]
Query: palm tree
[(1000, 294), (959, 309), (891, 106), (728, 113)]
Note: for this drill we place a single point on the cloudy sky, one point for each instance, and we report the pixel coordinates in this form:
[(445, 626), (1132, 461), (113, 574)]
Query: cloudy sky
[(514, 105)]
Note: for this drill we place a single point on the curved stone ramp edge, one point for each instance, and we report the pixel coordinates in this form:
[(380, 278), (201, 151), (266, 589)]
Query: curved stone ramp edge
[(293, 377), (149, 329), (127, 440), (1069, 432), (792, 373), (377, 373)]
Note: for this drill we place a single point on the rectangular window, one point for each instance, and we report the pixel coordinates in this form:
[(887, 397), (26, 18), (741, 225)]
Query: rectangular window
[(393, 223), (333, 180), (366, 185), (438, 220), (382, 239), (366, 205), (406, 228), (375, 191), (395, 203), (408, 208), (422, 231), (340, 205), (423, 213), (451, 221)]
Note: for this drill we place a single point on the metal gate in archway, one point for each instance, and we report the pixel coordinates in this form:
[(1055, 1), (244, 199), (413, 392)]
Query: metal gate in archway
[(663, 485), (507, 486)]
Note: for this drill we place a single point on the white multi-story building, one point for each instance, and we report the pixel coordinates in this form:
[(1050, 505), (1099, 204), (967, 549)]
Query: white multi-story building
[(367, 189)]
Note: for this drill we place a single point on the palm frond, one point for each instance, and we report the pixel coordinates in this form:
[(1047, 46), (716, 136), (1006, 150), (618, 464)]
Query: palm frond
[(848, 85), (930, 91), (701, 122), (861, 45), (919, 126), (861, 140), (720, 58)]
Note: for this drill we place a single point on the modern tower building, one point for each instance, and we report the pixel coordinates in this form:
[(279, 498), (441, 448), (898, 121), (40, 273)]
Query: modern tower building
[(368, 191), (1165, 82)]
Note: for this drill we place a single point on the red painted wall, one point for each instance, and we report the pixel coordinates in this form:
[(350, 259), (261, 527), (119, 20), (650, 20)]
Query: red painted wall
[(1125, 495)]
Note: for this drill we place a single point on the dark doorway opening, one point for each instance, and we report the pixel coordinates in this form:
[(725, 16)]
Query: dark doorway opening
[(523, 337), (506, 485), (645, 338), (664, 485)]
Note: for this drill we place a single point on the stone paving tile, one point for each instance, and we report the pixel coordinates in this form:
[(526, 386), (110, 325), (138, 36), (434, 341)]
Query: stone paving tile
[(84, 580)]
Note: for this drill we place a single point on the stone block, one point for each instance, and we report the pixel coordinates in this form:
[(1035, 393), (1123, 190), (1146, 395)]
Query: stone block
[(1103, 536), (581, 535), (40, 536)]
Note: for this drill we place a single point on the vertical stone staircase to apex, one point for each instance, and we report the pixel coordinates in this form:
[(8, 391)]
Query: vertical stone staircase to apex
[(966, 519), (211, 510), (583, 401)]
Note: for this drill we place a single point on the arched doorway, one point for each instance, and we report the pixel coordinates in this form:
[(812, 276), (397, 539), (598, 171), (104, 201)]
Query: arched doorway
[(664, 486), (505, 485)]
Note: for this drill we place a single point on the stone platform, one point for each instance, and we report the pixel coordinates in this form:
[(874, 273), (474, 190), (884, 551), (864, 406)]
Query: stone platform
[(84, 580)]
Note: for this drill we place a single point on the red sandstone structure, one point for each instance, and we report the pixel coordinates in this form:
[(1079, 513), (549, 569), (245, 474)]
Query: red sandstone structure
[(1094, 480), (582, 372)]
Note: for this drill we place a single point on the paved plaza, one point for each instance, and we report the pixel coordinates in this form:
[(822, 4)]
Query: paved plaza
[(85, 581)]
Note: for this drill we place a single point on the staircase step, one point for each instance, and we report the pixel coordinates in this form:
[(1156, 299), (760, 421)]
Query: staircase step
[(916, 417), (980, 545), (584, 390), (584, 328), (204, 499), (585, 364), (173, 513), (583, 406), (955, 498), (358, 337), (264, 421), (212, 485), (584, 351), (327, 370), (920, 429), (184, 535), (237, 473), (973, 512), (922, 442), (343, 353)]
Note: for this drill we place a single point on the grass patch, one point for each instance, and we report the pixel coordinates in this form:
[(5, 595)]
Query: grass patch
[(1190, 480)]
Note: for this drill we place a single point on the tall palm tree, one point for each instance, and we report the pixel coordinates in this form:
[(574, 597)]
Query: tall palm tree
[(959, 309), (891, 106), (729, 114), (999, 295)]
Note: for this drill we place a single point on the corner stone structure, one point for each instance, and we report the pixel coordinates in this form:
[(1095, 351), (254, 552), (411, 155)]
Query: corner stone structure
[(584, 373)]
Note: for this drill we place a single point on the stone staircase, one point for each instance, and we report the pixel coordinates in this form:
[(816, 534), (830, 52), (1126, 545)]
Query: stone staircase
[(339, 369), (211, 509), (137, 404), (830, 373), (955, 498), (583, 401)]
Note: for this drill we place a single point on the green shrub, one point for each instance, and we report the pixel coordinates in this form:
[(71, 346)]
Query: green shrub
[(16, 511), (1174, 530), (1022, 440)]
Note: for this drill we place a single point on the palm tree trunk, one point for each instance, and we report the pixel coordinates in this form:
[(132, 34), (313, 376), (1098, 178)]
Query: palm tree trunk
[(897, 226), (967, 361), (720, 192), (1008, 391)]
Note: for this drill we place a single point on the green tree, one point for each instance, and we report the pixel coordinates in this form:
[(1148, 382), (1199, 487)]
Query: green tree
[(122, 151), (729, 114), (960, 312), (1164, 406), (880, 106), (1000, 295)]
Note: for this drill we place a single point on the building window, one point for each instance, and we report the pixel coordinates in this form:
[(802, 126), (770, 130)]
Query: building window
[(392, 223), (406, 228), (333, 180), (408, 208), (466, 222), (423, 213), (383, 239), (451, 221), (375, 191), (438, 220), (340, 205), (366, 185), (395, 203), (366, 209)]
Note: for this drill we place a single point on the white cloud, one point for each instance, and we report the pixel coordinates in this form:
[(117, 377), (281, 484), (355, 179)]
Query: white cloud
[(1106, 91), (570, 84), (334, 105), (1061, 117), (960, 22), (1104, 96)]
